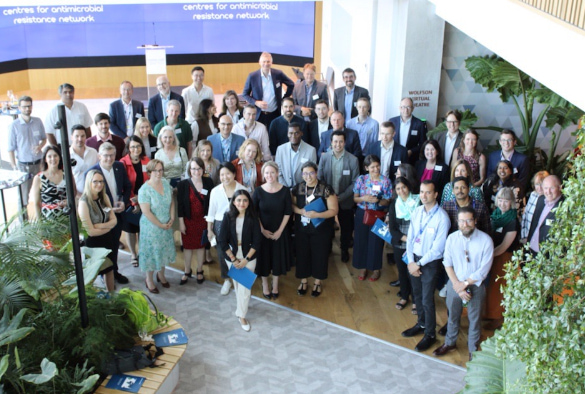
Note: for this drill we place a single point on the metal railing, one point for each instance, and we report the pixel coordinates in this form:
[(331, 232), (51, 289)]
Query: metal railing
[(570, 11)]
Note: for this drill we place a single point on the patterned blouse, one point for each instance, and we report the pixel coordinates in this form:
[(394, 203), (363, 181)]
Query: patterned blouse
[(473, 163), (364, 185)]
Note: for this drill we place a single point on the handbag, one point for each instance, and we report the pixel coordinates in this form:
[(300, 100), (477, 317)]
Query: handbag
[(371, 215)]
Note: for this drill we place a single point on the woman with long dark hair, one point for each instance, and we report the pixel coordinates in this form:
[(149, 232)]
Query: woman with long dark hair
[(239, 240)]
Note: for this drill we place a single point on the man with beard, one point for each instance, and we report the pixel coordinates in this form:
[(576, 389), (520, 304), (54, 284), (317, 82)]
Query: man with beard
[(278, 131), (463, 199), (468, 258), (248, 127), (346, 97)]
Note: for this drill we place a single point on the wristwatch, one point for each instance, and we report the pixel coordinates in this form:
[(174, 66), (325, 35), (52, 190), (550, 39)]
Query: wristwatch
[(466, 283)]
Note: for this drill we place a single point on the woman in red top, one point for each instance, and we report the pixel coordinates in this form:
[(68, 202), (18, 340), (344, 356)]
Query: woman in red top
[(135, 161)]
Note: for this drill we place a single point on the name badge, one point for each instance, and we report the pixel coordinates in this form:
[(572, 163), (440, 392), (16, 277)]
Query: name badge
[(178, 131), (138, 116), (204, 192), (414, 132), (143, 168), (153, 148), (397, 163), (438, 168), (515, 170), (548, 222), (431, 230), (316, 97), (304, 160), (494, 198), (36, 133), (277, 85), (346, 172), (499, 230), (310, 198), (376, 188), (305, 220), (355, 104)]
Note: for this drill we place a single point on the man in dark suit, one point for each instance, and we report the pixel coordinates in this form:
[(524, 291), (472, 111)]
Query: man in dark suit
[(352, 139), (225, 143), (341, 176), (345, 98), (125, 112), (411, 132), (278, 130), (157, 104), (306, 93), (320, 125), (118, 188), (390, 153), (518, 160), (267, 96), (544, 215), (449, 140)]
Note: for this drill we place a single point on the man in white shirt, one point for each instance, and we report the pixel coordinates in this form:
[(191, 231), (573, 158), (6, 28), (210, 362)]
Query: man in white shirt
[(193, 94), (468, 257), (248, 127), (84, 156), (125, 112), (75, 113), (292, 155), (320, 125), (450, 140)]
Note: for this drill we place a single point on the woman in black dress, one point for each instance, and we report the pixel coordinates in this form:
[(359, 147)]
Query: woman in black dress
[(274, 206), (312, 243)]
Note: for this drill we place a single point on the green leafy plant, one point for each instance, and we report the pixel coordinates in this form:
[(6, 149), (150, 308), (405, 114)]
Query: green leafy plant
[(138, 310)]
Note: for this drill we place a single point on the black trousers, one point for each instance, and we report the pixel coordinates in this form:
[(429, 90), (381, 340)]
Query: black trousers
[(346, 225), (423, 288)]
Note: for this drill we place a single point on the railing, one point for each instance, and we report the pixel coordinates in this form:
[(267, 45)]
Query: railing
[(570, 11)]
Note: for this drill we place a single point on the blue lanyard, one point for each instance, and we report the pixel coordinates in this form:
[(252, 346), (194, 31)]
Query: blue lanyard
[(422, 228)]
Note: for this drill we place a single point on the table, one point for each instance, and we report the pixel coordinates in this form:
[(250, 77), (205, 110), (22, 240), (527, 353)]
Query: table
[(10, 179)]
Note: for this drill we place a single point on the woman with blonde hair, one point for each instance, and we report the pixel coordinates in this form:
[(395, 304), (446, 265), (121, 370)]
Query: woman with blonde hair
[(173, 157), (249, 165), (204, 151), (143, 130)]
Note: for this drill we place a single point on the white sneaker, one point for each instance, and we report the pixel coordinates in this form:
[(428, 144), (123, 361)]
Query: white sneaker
[(443, 292), (225, 289), (245, 326)]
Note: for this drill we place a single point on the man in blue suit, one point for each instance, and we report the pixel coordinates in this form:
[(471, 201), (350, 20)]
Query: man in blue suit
[(390, 153), (411, 132), (125, 112), (352, 139), (225, 144), (263, 89), (116, 180), (157, 104)]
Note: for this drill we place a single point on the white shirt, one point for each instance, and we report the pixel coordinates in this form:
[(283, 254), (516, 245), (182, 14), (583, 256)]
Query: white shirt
[(111, 179), (404, 130), (192, 98), (386, 156), (78, 114), (479, 248), (219, 203), (257, 132), (449, 146), (89, 159)]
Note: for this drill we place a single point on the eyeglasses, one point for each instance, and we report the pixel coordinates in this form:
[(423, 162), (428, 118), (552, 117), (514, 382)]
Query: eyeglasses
[(466, 221), (196, 169), (97, 182), (108, 156), (452, 121), (312, 173), (405, 107), (507, 141), (135, 147)]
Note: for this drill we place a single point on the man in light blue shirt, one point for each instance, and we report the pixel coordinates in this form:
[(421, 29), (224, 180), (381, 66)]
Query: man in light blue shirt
[(425, 245), (366, 127), (469, 254)]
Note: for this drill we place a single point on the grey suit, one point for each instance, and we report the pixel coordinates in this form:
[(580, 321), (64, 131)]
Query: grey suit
[(339, 100), (299, 95), (283, 154)]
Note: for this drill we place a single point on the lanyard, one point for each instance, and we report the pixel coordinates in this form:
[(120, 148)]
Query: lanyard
[(422, 228)]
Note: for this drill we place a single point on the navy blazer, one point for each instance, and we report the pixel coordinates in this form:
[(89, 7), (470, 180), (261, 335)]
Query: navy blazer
[(155, 109), (314, 133), (253, 87), (352, 143), (318, 92), (251, 235), (399, 156), (122, 182), (546, 223), (519, 161), (215, 139), (415, 140), (439, 177), (118, 118), (339, 99)]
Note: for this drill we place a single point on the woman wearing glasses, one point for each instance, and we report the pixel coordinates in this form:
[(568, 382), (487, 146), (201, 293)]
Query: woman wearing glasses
[(313, 239)]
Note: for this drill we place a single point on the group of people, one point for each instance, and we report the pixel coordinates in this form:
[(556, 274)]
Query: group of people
[(265, 183)]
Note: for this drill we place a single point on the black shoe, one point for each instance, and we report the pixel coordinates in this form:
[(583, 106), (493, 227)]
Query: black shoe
[(344, 256), (275, 296), (412, 331), (316, 290), (267, 296), (395, 283), (425, 343), (443, 330), (121, 279), (183, 281), (302, 289)]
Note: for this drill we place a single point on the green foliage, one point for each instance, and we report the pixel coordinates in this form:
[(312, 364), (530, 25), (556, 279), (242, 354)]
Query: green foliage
[(543, 330), (490, 373), (9, 331), (94, 258), (468, 119), (48, 371), (138, 310)]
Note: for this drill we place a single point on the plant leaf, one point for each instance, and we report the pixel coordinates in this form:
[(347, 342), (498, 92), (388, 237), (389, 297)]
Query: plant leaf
[(94, 259), (48, 371), (87, 385), (4, 364)]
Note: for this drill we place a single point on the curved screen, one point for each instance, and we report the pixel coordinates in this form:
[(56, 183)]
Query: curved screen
[(116, 30)]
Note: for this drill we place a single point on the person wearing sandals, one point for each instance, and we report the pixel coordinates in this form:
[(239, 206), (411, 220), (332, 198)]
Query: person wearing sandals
[(193, 201), (135, 161), (370, 192), (399, 214), (312, 243), (273, 203), (240, 239)]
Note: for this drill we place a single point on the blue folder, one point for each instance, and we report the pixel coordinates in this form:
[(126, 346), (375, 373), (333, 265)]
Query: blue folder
[(170, 338), (318, 206), (243, 276), (381, 230), (125, 382)]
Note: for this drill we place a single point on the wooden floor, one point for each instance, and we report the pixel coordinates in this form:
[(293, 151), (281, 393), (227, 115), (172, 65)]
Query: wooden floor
[(364, 306)]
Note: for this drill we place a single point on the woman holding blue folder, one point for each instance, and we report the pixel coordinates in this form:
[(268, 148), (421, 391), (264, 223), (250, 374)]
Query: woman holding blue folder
[(239, 239), (315, 205), (370, 192)]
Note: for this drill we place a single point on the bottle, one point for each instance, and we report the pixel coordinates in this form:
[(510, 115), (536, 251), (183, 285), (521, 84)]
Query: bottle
[(466, 302)]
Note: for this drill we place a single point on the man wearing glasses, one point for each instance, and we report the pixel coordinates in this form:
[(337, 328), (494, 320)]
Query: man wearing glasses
[(468, 258), (411, 132), (518, 160), (451, 139)]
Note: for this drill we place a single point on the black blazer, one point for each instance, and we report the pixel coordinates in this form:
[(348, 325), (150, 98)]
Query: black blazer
[(314, 139), (439, 177), (399, 154), (251, 235), (544, 227), (414, 141), (122, 182), (183, 201), (155, 109), (118, 118)]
